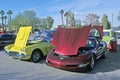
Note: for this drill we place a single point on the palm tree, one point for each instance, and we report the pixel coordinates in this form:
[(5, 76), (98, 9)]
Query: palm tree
[(62, 12), (50, 22), (71, 19), (5, 17), (2, 14), (9, 15), (66, 15)]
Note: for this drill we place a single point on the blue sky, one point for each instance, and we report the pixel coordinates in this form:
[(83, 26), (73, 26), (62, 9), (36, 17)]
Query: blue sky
[(45, 8)]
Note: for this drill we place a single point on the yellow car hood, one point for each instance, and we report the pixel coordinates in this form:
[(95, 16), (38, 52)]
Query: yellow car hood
[(21, 38)]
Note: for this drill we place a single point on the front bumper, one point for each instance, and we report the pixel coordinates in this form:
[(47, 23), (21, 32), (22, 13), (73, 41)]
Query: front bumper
[(70, 67), (18, 55)]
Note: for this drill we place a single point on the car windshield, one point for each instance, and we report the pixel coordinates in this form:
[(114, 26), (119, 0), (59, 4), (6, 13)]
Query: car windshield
[(90, 43), (94, 32)]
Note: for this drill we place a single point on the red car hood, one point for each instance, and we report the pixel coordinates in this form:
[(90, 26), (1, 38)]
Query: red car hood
[(68, 40)]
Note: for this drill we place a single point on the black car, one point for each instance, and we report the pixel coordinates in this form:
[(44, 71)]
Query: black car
[(6, 39)]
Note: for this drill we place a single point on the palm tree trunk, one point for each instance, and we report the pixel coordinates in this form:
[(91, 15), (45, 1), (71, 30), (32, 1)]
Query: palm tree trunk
[(67, 21), (5, 25), (62, 20), (2, 23), (10, 17)]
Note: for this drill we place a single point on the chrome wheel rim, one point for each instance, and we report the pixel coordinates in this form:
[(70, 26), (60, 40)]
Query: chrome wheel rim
[(36, 56)]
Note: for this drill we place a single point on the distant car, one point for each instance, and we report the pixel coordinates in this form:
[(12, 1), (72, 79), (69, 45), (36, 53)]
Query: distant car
[(79, 58), (48, 36), (44, 34), (28, 50), (108, 35), (118, 34), (110, 38), (6, 39), (37, 35)]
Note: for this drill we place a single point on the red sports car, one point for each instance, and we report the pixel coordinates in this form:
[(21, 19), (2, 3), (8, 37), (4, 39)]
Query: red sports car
[(75, 50)]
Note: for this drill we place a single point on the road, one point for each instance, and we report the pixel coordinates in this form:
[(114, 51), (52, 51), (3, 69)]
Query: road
[(14, 69)]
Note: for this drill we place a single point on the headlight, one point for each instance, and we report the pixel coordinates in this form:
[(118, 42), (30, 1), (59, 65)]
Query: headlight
[(23, 49), (112, 39), (46, 61), (82, 65), (23, 55), (5, 48)]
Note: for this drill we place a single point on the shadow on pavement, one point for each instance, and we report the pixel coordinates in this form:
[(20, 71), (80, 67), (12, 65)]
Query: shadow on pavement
[(1, 48), (110, 63)]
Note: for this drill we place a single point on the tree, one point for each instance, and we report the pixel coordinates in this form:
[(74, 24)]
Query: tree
[(50, 22), (5, 17), (71, 19), (67, 16), (77, 23), (43, 23), (62, 13), (46, 23), (92, 19), (105, 22), (25, 18), (2, 14), (9, 15)]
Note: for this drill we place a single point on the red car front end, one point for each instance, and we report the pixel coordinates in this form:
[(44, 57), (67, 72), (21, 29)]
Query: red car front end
[(72, 63)]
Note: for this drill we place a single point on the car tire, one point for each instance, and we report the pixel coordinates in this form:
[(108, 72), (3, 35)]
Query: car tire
[(104, 55), (36, 56), (92, 63)]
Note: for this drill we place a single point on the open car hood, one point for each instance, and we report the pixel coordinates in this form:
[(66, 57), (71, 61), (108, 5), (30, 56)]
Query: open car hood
[(22, 37), (68, 40)]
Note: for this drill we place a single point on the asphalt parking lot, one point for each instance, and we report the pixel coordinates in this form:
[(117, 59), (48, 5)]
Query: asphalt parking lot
[(14, 69)]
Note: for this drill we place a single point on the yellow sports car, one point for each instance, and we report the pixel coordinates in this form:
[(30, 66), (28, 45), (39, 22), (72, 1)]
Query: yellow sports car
[(28, 50)]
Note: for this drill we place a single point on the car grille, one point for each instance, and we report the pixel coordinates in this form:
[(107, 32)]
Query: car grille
[(71, 65), (50, 62), (13, 53), (61, 56)]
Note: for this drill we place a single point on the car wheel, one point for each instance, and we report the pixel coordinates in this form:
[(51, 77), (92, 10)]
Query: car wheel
[(36, 56), (92, 63), (104, 55)]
